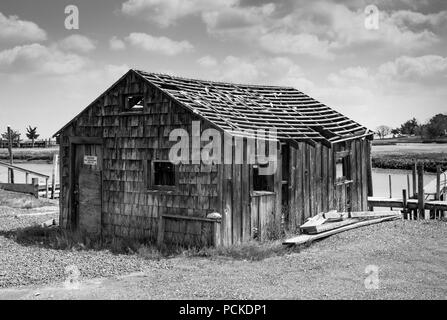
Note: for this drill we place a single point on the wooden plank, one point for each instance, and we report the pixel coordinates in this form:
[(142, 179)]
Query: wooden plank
[(301, 239), (237, 204), (245, 194), (372, 214), (353, 175), (254, 212), (329, 226), (292, 218)]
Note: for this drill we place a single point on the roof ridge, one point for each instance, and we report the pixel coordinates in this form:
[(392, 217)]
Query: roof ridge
[(212, 81)]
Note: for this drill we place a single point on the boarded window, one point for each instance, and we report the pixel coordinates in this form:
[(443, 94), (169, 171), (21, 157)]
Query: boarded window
[(133, 103), (161, 174), (262, 182)]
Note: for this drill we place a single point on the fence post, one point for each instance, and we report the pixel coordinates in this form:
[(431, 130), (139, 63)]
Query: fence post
[(421, 195)]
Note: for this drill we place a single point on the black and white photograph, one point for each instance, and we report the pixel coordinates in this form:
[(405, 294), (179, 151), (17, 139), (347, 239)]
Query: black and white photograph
[(203, 151)]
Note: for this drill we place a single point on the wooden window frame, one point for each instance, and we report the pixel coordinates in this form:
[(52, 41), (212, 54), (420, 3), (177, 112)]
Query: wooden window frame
[(150, 177), (254, 168), (125, 103)]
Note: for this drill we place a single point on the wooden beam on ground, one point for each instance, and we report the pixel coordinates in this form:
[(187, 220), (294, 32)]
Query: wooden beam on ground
[(329, 226), (373, 214), (305, 238)]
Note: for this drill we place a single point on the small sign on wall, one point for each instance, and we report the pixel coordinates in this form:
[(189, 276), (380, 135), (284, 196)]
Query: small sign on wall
[(91, 160)]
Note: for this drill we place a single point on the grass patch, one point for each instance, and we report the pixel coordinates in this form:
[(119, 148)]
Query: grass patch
[(30, 153), (406, 161), (61, 239), (22, 201)]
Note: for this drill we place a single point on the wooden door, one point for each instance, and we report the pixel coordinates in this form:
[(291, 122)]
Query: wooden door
[(87, 186)]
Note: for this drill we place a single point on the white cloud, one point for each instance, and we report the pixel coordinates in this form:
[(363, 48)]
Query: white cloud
[(278, 70), (116, 44), (166, 12), (415, 68), (161, 45), (207, 61), (278, 42), (38, 59), (78, 43), (15, 30)]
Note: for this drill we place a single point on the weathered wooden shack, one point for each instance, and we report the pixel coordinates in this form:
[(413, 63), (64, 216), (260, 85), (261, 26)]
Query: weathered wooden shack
[(117, 179)]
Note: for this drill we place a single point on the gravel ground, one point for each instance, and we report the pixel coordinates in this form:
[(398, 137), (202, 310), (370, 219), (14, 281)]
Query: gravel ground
[(22, 265), (411, 258)]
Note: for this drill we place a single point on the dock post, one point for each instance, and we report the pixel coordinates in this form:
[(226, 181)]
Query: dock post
[(404, 204), (46, 188), (438, 189), (35, 183), (413, 174), (391, 192), (11, 158), (421, 196), (53, 176)]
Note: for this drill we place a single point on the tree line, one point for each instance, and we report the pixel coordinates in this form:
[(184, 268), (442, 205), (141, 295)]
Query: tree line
[(434, 128), (31, 134)]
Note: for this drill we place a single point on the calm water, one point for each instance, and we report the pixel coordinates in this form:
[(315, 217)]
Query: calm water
[(398, 181)]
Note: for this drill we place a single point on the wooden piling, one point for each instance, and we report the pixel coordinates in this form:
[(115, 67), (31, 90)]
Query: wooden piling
[(46, 188), (421, 196), (53, 176), (413, 173), (35, 182), (408, 186), (11, 160), (391, 190), (438, 190), (404, 205)]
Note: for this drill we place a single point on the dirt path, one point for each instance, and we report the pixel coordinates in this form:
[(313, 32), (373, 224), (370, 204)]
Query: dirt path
[(410, 257)]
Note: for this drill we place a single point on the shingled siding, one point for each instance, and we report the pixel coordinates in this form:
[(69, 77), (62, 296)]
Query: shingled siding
[(128, 208)]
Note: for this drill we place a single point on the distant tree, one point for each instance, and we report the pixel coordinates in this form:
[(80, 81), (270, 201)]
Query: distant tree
[(383, 131), (15, 137), (395, 132), (410, 127), (436, 127), (32, 134)]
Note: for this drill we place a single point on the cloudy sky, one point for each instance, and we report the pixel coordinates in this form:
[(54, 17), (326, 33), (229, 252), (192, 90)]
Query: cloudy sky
[(376, 76)]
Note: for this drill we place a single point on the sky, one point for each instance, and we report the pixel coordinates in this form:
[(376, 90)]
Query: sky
[(379, 65)]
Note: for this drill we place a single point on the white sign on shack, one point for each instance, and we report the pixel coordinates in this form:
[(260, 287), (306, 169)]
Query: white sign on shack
[(91, 160)]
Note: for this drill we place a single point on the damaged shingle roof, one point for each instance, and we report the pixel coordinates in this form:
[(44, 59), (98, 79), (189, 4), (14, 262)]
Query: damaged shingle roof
[(238, 108)]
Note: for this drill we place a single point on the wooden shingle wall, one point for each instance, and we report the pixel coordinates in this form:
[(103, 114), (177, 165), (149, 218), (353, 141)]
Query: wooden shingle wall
[(129, 209)]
